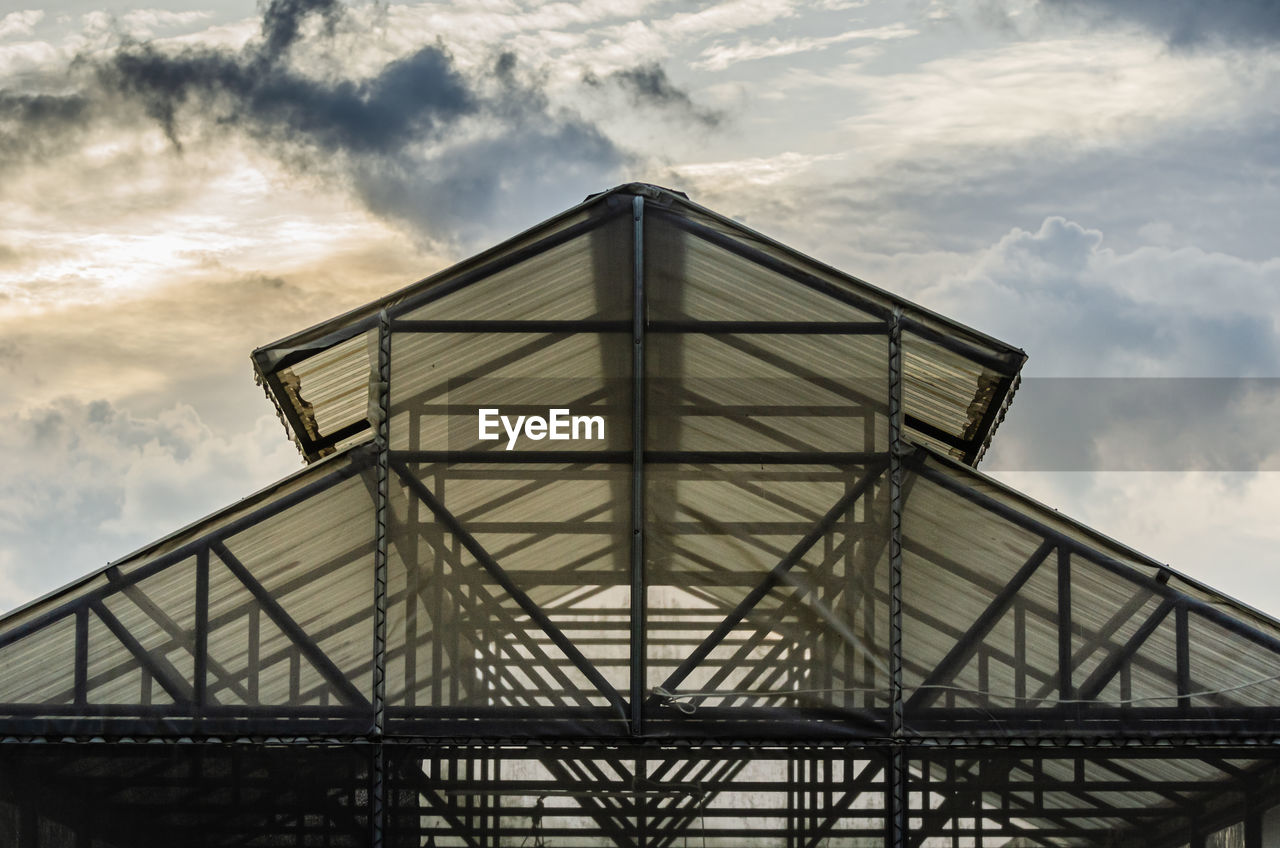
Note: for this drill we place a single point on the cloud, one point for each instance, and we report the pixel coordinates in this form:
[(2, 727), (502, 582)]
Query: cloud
[(419, 138), (1218, 527), (144, 23), (282, 23), (1152, 359), (720, 56), (39, 125), (86, 483), (20, 23), (1184, 23), (419, 141), (1151, 312), (648, 85), (1140, 424)]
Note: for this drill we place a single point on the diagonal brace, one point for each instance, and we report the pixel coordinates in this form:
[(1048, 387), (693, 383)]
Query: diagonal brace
[(499, 574), (318, 658), (175, 632), (1108, 668), (963, 650), (774, 577), (157, 666)]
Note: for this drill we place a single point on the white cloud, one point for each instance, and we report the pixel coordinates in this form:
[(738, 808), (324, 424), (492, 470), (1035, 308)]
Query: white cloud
[(20, 23), (146, 23), (745, 173), (1082, 309), (719, 56), (732, 16), (88, 483), (1104, 90)]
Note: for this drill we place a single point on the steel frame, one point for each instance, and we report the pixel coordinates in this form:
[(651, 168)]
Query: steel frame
[(507, 703)]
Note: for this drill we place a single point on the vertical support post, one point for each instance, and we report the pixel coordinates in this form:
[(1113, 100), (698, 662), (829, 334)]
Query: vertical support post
[(896, 805), (1182, 630), (1066, 690), (200, 672), (383, 388), (638, 589), (1253, 825), (81, 676), (377, 794)]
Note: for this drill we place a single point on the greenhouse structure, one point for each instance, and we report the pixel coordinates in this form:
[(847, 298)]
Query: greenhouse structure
[(639, 529)]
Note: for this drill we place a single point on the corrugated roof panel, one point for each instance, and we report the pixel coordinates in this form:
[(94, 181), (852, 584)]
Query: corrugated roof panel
[(713, 535), (697, 266), (689, 277), (559, 534), (946, 391), (40, 668), (758, 392), (331, 388), (439, 381), (316, 561), (587, 277), (962, 551)]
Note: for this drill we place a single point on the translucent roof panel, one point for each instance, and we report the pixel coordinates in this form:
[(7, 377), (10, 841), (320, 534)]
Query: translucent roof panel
[(691, 277), (572, 267), (440, 382), (762, 591), (262, 612), (509, 589), (762, 392), (1013, 612), (698, 267)]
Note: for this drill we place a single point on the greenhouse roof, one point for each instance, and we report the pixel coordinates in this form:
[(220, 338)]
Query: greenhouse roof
[(958, 382), (770, 598)]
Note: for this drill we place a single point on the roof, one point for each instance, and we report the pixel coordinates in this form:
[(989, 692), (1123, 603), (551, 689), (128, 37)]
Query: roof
[(752, 580), (958, 381)]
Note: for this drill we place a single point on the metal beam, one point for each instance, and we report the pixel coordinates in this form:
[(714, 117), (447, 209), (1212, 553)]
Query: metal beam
[(159, 668), (231, 528), (965, 646), (496, 571), (1107, 563), (377, 800), (773, 328), (639, 316), (897, 798), (1108, 668), (345, 689), (201, 648), (772, 579), (996, 362), (1066, 691)]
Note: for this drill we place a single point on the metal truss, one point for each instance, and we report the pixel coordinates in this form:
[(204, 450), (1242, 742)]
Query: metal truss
[(639, 645)]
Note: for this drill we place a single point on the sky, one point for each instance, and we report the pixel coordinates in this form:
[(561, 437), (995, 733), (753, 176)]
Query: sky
[(1094, 181)]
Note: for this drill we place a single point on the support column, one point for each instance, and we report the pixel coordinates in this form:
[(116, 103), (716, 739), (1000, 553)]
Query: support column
[(1271, 828), (896, 790), (382, 441), (638, 589)]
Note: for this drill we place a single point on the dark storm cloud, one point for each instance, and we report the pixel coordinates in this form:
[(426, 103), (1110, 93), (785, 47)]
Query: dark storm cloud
[(648, 85), (1185, 23), (39, 124), (411, 99), (282, 22), (388, 136), (422, 141)]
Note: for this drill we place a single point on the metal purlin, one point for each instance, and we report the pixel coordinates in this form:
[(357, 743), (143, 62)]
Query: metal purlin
[(376, 806), (896, 803)]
